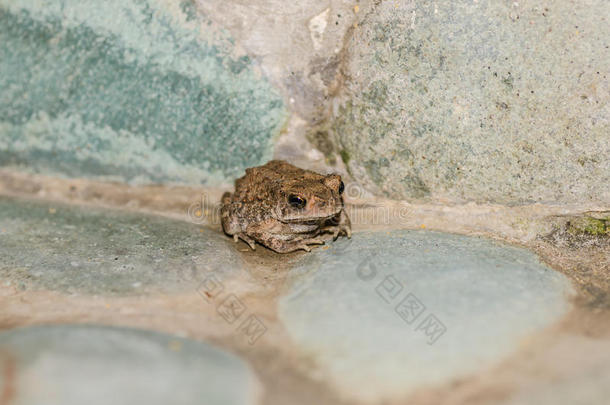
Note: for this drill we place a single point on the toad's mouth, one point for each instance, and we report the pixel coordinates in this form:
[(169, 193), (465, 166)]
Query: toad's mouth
[(312, 217)]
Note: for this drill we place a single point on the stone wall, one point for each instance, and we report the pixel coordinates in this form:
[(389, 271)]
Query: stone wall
[(444, 101), (479, 101), (460, 127)]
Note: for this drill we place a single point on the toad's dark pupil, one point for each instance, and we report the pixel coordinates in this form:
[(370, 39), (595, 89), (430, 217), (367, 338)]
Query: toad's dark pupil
[(341, 187), (296, 201)]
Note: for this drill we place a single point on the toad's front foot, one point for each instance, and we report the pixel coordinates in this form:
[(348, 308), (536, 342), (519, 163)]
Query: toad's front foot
[(282, 246), (313, 241), (340, 224), (246, 239), (338, 230)]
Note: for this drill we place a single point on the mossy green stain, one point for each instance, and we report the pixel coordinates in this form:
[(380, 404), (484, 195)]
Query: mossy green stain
[(344, 156), (590, 226)]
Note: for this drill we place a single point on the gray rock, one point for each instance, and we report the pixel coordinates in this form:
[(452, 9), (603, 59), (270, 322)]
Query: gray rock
[(502, 102), (386, 313), (95, 251), (75, 365)]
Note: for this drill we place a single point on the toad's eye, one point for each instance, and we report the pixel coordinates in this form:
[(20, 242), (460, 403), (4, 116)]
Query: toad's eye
[(296, 201), (341, 188)]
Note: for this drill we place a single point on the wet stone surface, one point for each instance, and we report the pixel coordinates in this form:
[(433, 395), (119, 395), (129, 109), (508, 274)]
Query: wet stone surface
[(85, 250), (75, 365), (388, 312)]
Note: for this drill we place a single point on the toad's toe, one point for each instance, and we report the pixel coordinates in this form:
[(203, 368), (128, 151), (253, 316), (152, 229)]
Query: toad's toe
[(315, 241)]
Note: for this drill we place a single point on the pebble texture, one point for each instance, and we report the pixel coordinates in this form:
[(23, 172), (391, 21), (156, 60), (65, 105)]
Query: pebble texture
[(504, 102), (130, 90), (85, 250), (386, 313), (75, 365)]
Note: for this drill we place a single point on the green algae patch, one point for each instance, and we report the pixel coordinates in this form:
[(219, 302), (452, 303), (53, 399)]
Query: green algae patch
[(344, 156), (589, 226)]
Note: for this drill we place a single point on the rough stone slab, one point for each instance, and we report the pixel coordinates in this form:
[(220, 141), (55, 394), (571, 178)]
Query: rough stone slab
[(503, 102), (75, 365), (94, 251), (386, 313), (580, 376), (129, 90)]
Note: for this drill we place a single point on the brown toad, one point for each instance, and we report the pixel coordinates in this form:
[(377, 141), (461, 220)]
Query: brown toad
[(284, 208)]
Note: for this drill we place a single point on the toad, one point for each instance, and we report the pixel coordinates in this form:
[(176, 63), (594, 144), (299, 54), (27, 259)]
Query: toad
[(284, 208)]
